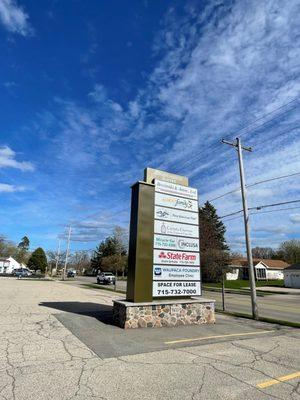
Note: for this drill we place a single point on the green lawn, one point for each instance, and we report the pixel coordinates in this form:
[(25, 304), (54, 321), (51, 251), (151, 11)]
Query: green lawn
[(239, 284)]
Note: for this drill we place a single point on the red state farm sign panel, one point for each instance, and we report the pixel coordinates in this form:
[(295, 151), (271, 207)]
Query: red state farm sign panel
[(165, 257)]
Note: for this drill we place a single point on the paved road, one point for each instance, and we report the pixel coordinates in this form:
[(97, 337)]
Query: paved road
[(282, 307), (277, 306), (57, 343), (121, 285)]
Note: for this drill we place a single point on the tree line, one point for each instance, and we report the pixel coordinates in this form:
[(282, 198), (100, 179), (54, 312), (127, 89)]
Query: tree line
[(112, 253), (35, 260)]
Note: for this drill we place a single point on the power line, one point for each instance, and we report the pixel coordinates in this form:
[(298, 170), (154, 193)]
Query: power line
[(254, 184), (264, 212), (229, 215), (274, 204), (210, 148), (273, 179), (260, 207), (266, 115), (279, 209)]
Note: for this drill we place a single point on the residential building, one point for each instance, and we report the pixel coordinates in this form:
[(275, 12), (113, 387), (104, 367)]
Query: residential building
[(265, 269), (292, 276), (8, 264)]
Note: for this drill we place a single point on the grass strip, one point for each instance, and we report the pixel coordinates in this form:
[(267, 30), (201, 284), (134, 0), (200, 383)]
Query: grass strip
[(262, 319), (245, 292), (98, 287)]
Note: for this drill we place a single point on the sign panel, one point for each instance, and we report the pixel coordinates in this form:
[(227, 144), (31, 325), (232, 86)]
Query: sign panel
[(150, 174), (168, 214), (175, 258), (176, 243), (176, 190), (175, 229), (171, 273), (178, 203), (169, 288)]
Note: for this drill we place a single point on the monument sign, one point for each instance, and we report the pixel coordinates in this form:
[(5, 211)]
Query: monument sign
[(163, 261)]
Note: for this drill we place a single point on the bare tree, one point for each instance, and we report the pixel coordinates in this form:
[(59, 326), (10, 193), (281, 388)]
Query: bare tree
[(80, 260), (263, 252), (290, 250)]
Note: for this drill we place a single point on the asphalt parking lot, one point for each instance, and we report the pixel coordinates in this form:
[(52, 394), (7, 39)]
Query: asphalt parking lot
[(57, 342)]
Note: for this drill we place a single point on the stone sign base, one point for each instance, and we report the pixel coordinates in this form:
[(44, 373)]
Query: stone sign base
[(159, 313)]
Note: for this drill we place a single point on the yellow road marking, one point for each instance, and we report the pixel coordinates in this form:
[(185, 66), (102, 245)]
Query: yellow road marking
[(275, 381), (217, 337)]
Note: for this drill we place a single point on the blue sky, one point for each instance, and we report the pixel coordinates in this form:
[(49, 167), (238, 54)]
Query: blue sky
[(93, 92)]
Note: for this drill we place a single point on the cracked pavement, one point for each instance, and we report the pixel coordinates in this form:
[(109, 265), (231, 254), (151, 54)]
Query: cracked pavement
[(41, 359)]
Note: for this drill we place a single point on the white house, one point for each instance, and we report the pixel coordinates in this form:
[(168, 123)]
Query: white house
[(264, 269), (8, 264), (292, 276)]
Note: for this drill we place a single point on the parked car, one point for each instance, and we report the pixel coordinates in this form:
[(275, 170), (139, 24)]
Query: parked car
[(71, 273), (22, 272), (106, 278)]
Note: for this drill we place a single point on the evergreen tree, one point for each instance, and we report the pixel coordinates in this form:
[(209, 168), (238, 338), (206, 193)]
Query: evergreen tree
[(23, 248), (24, 244), (115, 245), (108, 247), (38, 260), (214, 250), (212, 229)]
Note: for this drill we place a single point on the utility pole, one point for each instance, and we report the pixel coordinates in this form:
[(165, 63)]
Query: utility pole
[(57, 257), (67, 254), (239, 147)]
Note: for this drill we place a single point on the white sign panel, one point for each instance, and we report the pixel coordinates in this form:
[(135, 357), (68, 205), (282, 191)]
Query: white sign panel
[(169, 288), (175, 258), (177, 190), (179, 203), (171, 273), (167, 214), (176, 243), (175, 229)]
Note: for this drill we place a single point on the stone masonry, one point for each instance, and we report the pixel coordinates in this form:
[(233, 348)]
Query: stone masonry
[(163, 313)]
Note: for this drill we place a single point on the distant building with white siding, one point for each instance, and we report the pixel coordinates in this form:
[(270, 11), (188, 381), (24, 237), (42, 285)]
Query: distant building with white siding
[(292, 276), (8, 264), (265, 269)]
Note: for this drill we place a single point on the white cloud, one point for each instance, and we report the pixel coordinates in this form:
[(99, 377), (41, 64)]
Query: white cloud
[(14, 18), (7, 160), (295, 218), (99, 93), (6, 188)]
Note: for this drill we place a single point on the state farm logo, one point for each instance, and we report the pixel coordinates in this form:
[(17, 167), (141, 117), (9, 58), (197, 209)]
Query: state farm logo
[(162, 254), (176, 256)]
